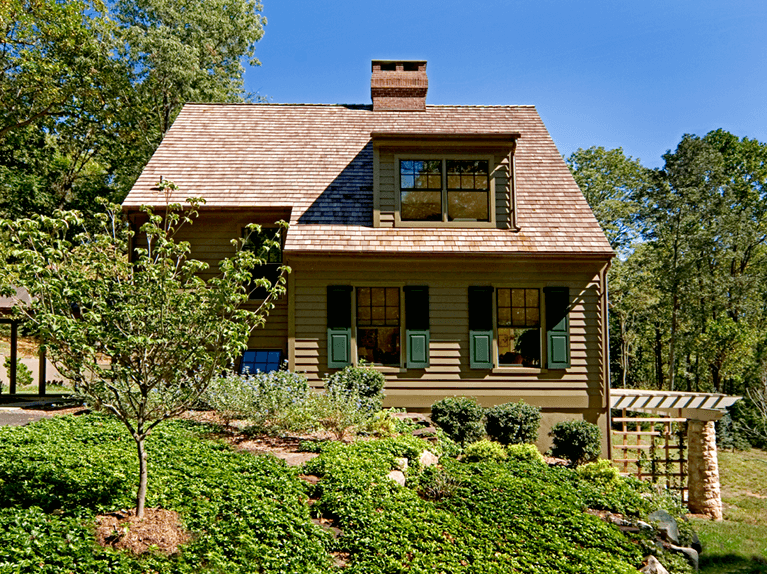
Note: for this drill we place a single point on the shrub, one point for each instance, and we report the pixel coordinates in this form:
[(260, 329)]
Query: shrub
[(338, 414), (600, 472), (276, 402), (513, 423), (577, 441), (460, 418), (23, 374), (363, 383), (524, 452), (483, 451)]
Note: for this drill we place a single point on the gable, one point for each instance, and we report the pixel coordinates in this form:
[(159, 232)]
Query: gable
[(319, 160)]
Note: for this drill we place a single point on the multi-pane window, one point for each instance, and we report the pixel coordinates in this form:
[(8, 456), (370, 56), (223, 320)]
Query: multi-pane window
[(519, 327), (263, 360), (467, 190), (421, 190), (378, 325), (462, 195)]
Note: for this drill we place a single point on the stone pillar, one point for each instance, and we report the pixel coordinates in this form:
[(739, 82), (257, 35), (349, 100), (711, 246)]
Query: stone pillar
[(703, 470)]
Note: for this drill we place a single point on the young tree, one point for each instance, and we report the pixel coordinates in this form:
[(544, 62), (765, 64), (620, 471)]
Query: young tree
[(141, 334)]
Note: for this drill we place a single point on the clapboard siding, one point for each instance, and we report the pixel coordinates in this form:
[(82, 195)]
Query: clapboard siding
[(448, 280), (210, 238)]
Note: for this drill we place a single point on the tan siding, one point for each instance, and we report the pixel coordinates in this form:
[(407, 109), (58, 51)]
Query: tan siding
[(210, 238), (448, 280), (502, 191)]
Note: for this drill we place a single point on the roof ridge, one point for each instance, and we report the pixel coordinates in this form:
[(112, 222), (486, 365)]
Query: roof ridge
[(353, 106)]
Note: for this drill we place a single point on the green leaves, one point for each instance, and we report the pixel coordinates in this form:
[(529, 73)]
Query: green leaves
[(142, 334)]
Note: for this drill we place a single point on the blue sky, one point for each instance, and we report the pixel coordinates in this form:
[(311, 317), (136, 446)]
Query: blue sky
[(636, 75)]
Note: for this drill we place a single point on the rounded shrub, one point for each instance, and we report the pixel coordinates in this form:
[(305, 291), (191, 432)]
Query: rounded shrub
[(524, 452), (364, 383), (577, 441), (460, 418), (599, 472), (484, 450), (513, 423)]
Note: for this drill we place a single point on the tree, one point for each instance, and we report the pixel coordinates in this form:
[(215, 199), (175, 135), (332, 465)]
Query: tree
[(53, 59), (177, 51), (141, 334), (88, 92), (610, 182)]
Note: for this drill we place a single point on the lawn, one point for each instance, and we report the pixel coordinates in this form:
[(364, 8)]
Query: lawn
[(250, 513), (738, 544)]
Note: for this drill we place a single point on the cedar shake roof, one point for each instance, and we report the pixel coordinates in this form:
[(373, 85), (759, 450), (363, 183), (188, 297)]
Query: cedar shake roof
[(318, 159)]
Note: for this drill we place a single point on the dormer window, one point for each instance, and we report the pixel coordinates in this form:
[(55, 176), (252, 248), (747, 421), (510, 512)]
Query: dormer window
[(444, 190)]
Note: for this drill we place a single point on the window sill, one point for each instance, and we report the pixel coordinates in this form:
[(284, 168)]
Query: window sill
[(387, 370), (518, 371), (445, 224)]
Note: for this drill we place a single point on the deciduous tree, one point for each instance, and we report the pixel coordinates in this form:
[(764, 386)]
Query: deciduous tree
[(141, 334)]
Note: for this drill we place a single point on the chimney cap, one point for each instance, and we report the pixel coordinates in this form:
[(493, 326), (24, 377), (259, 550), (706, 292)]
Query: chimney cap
[(399, 65)]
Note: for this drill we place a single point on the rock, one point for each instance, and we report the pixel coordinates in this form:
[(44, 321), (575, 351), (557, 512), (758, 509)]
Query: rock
[(428, 458), (310, 478), (400, 463), (617, 520), (296, 458), (653, 566), (425, 432), (696, 543), (644, 525), (398, 477), (690, 553), (666, 525), (417, 418)]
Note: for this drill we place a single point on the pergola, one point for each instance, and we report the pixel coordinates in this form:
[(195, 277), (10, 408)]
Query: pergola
[(6, 307), (700, 410)]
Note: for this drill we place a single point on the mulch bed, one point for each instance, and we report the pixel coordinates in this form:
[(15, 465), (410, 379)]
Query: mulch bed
[(159, 530)]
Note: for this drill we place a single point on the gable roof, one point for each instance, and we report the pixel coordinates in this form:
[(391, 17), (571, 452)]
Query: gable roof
[(318, 159)]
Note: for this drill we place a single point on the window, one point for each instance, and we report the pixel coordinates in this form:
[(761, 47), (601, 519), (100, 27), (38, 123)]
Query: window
[(519, 327), (264, 360), (447, 190), (378, 325), (267, 244)]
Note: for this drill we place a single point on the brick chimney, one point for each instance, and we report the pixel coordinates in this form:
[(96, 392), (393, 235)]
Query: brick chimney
[(399, 85)]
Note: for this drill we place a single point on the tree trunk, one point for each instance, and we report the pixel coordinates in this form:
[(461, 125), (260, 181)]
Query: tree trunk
[(141, 494), (672, 342), (659, 356)]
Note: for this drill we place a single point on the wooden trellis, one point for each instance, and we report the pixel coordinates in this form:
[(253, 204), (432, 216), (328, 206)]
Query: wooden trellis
[(652, 449)]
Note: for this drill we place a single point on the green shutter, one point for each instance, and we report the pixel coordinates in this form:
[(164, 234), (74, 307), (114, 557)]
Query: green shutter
[(481, 349), (416, 327), (339, 348), (417, 349), (557, 327), (481, 327), (339, 326)]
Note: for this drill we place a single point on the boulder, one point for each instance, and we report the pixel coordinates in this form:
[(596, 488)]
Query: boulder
[(690, 553), (666, 525), (653, 566), (398, 477), (428, 458), (401, 463)]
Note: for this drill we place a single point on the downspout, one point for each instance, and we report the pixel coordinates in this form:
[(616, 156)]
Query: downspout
[(606, 355)]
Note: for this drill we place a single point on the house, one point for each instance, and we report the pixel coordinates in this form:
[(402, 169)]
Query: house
[(447, 245)]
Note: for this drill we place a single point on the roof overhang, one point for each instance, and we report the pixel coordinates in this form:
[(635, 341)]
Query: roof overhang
[(420, 139), (698, 406)]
